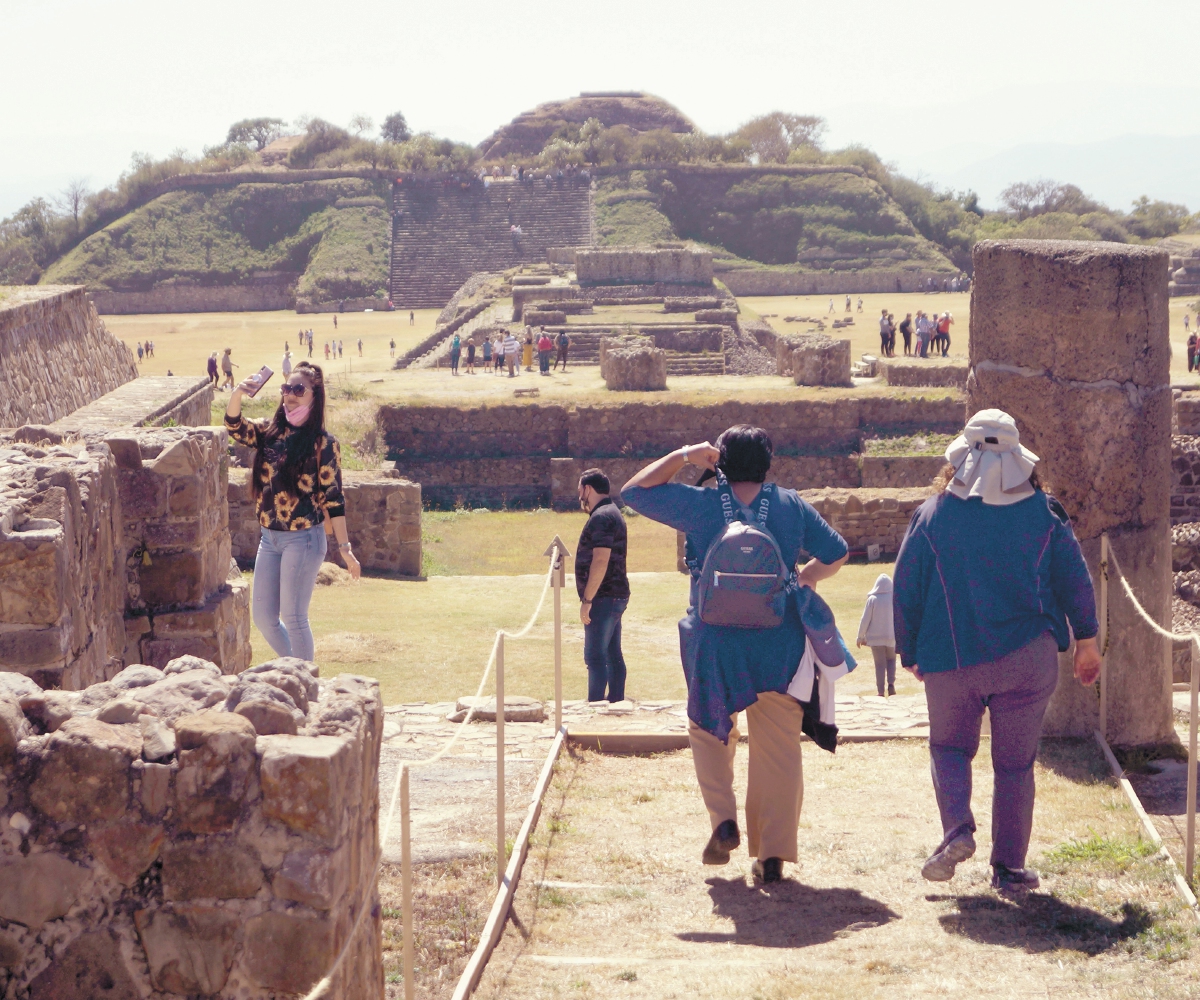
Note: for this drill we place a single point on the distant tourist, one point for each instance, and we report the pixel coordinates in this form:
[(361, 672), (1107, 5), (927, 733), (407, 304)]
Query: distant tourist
[(487, 352), (891, 348), (603, 587), (341, 348), (297, 485), (990, 583), (1191, 351), (511, 348), (212, 368), (883, 333), (906, 331), (455, 352), (152, 348), (875, 629), (392, 348), (498, 352), (310, 344), (286, 366), (327, 350), (847, 303), (747, 665), (471, 356), (1186, 322), (860, 309), (335, 321), (140, 352), (943, 331), (412, 318), (924, 333), (360, 347), (563, 343), (831, 309), (227, 367), (527, 350), (544, 345)]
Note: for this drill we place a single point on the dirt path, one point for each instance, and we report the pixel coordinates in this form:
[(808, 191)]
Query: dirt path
[(614, 902)]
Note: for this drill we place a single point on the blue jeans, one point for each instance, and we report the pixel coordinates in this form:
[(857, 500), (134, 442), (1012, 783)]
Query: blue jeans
[(285, 572), (602, 650)]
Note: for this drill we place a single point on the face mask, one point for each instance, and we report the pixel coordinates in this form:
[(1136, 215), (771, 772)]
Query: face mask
[(297, 416)]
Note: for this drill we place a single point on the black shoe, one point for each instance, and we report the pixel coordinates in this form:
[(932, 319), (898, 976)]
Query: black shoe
[(767, 870), (891, 690), (1014, 882), (725, 838)]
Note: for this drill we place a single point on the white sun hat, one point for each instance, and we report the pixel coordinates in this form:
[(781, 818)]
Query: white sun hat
[(989, 461)]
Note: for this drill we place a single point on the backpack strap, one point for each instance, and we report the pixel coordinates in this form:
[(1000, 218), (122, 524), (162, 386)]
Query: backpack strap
[(725, 491)]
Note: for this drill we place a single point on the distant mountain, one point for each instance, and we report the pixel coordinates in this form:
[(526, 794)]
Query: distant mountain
[(1114, 171)]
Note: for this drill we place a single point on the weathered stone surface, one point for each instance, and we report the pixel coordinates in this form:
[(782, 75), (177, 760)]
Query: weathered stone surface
[(11, 952), (180, 694), (268, 717), (820, 360), (13, 725), (156, 787), (49, 709), (38, 888), (127, 849), (121, 711), (158, 739), (924, 371), (127, 452), (303, 672), (182, 664), (216, 770), (18, 685), (288, 952), (84, 776), (315, 878), (517, 708), (304, 781), (210, 868), (31, 580), (634, 368), (136, 675), (91, 968), (190, 948)]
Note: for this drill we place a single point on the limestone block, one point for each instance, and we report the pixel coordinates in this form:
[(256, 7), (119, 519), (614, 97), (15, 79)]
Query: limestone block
[(32, 578), (291, 674), (638, 369), (158, 739), (924, 371), (173, 578), (136, 675), (182, 664), (316, 878), (126, 450), (90, 967), (127, 849), (216, 770), (143, 494), (38, 887), (84, 775), (121, 711), (156, 788), (13, 725), (287, 951), (182, 693), (820, 360), (210, 868), (49, 709), (190, 948), (544, 317), (305, 780)]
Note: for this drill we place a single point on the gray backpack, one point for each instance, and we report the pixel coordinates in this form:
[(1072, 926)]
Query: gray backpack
[(744, 579)]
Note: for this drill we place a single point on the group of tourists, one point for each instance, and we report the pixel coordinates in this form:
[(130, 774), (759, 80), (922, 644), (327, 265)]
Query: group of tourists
[(503, 350), (990, 585), (145, 349), (1193, 355)]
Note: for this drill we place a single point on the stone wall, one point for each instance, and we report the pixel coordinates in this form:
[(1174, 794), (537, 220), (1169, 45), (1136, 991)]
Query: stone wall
[(148, 401), (261, 296), (643, 266), (820, 360), (55, 354), (1186, 418), (383, 521), (115, 550), (224, 845), (789, 281), (1185, 479), (923, 371), (867, 517)]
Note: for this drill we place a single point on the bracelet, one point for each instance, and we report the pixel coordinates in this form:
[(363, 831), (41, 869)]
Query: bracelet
[(585, 602), (686, 459)]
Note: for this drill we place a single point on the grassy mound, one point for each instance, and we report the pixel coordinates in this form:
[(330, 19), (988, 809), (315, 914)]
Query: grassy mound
[(333, 235)]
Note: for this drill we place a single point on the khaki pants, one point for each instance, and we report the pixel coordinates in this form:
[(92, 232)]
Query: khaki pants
[(775, 784)]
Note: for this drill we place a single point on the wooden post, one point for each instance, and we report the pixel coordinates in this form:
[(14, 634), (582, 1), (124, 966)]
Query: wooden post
[(406, 885), (558, 552), (1104, 635), (500, 853), (1190, 861)]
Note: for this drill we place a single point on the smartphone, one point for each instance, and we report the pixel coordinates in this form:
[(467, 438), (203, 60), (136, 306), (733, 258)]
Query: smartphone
[(264, 374)]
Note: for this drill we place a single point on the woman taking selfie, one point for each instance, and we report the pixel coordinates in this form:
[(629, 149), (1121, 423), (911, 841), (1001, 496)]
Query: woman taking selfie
[(297, 484)]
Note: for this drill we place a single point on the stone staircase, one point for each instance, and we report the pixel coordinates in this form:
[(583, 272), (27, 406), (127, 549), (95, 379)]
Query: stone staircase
[(442, 233), (585, 350)]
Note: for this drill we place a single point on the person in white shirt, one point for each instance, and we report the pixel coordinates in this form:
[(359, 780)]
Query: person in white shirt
[(511, 348), (879, 632), (286, 367)]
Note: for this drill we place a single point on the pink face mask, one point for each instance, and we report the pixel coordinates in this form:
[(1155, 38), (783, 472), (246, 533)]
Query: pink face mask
[(297, 416)]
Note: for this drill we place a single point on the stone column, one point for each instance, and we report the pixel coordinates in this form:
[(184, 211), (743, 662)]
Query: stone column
[(1071, 339)]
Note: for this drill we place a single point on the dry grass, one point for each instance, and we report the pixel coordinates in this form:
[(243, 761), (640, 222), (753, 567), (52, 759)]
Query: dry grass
[(429, 640), (615, 903)]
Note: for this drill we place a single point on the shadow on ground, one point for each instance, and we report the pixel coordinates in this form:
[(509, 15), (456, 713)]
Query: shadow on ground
[(1041, 923), (789, 914)]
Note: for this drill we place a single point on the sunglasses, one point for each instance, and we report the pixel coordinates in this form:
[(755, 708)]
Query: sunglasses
[(294, 390)]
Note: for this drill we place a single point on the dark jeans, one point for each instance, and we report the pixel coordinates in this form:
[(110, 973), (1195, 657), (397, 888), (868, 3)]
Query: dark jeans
[(602, 650)]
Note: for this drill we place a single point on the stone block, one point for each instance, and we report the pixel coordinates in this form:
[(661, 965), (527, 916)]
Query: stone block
[(924, 371), (33, 648), (156, 788), (315, 878), (190, 949), (127, 849), (183, 692), (287, 951), (216, 770), (13, 725), (634, 368), (143, 494), (172, 579), (305, 780), (126, 451), (186, 456), (38, 887), (84, 774), (32, 580), (820, 360), (11, 951), (89, 968), (210, 868)]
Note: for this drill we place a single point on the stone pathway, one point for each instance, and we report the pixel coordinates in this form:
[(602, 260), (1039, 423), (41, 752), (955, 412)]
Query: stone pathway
[(453, 801)]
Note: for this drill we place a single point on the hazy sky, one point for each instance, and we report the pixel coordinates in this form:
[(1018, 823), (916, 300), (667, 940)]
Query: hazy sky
[(937, 87)]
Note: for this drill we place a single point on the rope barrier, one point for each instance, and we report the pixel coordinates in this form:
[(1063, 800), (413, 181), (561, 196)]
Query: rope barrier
[(326, 981)]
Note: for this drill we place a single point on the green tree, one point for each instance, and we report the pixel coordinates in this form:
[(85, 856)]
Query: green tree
[(395, 128), (360, 124), (773, 136), (1155, 219), (319, 137), (260, 131)]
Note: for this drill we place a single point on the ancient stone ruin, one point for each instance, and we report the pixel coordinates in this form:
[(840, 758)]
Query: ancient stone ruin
[(632, 364), (181, 833), (1071, 339)]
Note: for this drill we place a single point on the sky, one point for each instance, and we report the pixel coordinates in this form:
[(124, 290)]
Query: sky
[(959, 94)]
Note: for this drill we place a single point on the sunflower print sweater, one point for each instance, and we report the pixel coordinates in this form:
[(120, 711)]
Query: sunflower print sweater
[(318, 492)]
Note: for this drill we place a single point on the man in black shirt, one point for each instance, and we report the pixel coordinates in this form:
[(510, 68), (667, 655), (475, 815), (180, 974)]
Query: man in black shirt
[(603, 587)]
